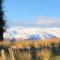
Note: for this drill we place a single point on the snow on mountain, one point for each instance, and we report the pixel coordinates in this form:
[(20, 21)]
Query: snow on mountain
[(32, 33)]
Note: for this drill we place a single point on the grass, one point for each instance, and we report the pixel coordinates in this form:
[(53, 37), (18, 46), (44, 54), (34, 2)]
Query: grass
[(56, 57), (40, 54), (36, 44)]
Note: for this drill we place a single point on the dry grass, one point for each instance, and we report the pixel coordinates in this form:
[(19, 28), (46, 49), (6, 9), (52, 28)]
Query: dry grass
[(29, 43), (43, 54), (4, 43), (36, 44)]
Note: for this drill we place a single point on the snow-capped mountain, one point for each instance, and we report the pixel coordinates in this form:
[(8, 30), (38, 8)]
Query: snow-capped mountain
[(31, 33)]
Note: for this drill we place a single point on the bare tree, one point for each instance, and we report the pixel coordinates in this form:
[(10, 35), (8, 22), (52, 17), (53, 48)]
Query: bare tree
[(2, 21)]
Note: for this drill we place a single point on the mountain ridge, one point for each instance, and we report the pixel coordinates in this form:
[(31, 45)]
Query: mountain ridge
[(32, 33)]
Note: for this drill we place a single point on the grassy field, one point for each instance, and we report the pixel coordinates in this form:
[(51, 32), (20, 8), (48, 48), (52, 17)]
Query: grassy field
[(56, 57), (32, 50), (36, 43)]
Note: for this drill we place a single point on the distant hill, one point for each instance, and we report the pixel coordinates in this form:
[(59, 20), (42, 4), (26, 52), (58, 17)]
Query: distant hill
[(20, 33)]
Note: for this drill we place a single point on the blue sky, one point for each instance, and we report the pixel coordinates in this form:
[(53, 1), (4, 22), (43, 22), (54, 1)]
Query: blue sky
[(32, 13)]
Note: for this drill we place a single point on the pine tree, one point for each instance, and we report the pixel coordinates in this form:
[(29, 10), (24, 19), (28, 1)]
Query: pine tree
[(2, 21)]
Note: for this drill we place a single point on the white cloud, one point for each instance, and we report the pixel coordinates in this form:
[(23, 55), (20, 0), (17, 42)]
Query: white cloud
[(15, 23), (47, 22), (39, 22)]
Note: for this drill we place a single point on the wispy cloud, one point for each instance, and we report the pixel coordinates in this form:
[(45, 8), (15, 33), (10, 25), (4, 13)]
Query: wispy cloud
[(38, 22), (47, 22), (15, 23)]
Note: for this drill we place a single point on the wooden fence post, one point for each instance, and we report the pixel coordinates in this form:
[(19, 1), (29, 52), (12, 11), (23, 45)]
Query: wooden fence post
[(3, 55), (11, 54)]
